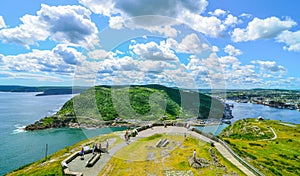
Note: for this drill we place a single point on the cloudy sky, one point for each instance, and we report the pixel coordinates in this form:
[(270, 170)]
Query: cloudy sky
[(187, 43)]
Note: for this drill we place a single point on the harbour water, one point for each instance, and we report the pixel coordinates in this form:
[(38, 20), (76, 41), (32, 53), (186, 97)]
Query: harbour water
[(248, 110)]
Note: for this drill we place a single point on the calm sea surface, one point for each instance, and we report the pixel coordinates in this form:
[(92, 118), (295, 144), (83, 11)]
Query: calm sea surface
[(19, 109), (18, 147)]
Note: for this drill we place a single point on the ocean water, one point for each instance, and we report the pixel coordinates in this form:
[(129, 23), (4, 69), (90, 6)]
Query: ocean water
[(214, 129), (19, 147)]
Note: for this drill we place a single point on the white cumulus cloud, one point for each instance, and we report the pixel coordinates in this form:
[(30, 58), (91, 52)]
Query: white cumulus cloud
[(105, 7), (210, 26), (2, 23), (116, 22), (64, 24), (169, 8), (189, 44), (218, 12), (232, 51), (153, 51), (262, 28), (270, 69), (188, 11), (291, 39), (245, 15), (231, 20), (60, 60)]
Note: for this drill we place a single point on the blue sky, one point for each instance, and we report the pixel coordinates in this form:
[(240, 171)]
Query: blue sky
[(195, 44)]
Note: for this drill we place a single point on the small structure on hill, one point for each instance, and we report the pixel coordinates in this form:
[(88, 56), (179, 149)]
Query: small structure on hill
[(260, 118)]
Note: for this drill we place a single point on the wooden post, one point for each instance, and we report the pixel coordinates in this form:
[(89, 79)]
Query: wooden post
[(46, 151)]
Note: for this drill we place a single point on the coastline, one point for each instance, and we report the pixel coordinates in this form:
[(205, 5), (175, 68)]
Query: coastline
[(39, 125), (266, 104)]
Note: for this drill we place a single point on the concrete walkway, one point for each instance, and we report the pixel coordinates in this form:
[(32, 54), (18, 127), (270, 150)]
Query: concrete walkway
[(78, 165)]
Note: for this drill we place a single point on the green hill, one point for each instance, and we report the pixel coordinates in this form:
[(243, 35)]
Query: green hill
[(143, 102), (255, 141)]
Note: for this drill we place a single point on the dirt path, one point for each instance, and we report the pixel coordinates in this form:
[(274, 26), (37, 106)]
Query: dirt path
[(275, 135), (273, 138)]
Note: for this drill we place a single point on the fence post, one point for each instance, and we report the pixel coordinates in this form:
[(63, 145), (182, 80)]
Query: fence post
[(46, 151)]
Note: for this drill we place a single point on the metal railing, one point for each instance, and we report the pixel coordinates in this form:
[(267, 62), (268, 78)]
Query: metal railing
[(241, 160), (228, 148)]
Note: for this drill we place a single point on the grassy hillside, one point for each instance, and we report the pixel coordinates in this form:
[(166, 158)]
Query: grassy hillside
[(254, 141), (100, 104), (145, 102)]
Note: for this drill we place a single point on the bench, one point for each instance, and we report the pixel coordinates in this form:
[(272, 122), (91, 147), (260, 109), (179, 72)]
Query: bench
[(93, 160)]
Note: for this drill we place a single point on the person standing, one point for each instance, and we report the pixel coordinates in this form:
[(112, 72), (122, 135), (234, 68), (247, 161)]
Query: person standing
[(107, 146), (93, 149), (126, 136), (82, 153), (194, 154), (100, 148), (129, 134)]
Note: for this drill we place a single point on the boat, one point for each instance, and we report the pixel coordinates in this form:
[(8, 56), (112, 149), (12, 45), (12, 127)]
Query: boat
[(226, 121)]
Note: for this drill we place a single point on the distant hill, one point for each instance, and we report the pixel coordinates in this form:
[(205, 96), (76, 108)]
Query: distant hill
[(46, 90), (8, 88), (143, 102)]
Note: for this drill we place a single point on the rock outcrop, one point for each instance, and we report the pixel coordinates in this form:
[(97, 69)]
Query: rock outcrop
[(198, 163)]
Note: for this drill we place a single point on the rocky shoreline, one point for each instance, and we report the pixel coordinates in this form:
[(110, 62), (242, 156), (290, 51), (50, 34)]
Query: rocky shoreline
[(72, 122)]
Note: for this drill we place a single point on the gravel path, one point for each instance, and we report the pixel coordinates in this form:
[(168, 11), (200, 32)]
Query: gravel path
[(273, 138), (275, 135)]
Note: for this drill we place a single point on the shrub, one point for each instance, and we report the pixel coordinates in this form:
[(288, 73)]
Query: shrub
[(155, 136), (254, 144), (227, 141)]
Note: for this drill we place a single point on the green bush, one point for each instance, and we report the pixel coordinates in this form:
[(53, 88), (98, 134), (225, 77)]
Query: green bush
[(254, 144)]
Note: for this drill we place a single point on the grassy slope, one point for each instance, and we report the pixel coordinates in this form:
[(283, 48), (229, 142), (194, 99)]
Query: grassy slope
[(273, 157), (134, 159), (52, 166), (145, 102)]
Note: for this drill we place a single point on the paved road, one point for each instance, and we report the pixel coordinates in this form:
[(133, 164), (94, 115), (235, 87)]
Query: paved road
[(170, 129)]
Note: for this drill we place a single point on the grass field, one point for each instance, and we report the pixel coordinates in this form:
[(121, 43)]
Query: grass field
[(251, 139), (144, 158), (51, 165)]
